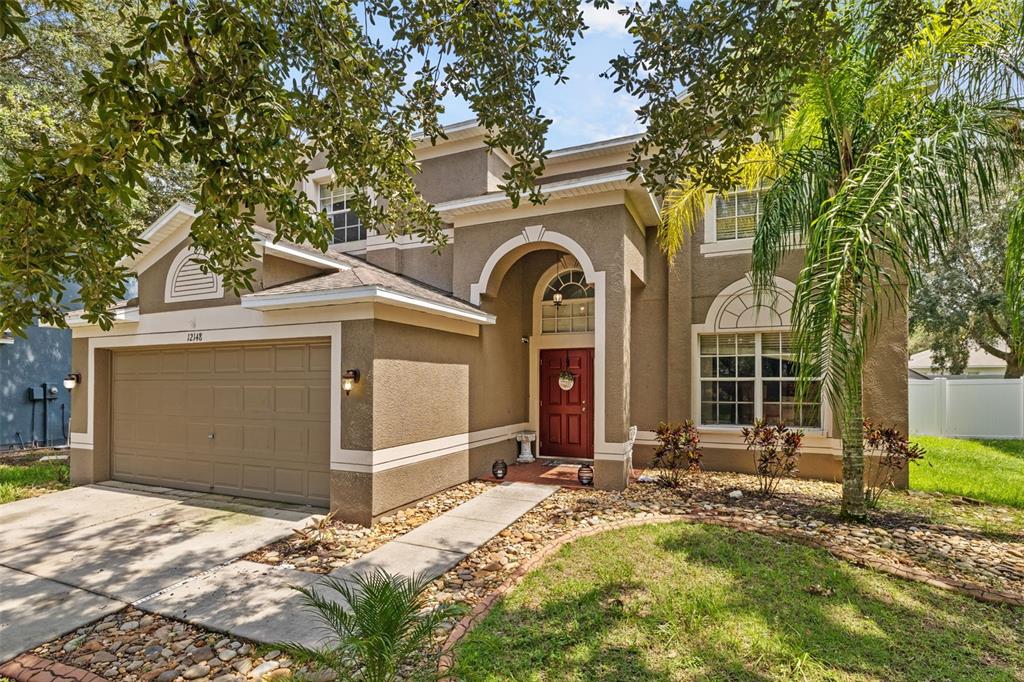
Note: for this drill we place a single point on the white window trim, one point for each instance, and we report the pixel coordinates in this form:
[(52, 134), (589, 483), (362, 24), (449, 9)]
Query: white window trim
[(311, 188), (726, 247), (172, 274), (710, 326)]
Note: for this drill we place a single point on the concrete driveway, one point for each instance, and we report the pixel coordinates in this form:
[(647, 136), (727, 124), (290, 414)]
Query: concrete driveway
[(69, 557)]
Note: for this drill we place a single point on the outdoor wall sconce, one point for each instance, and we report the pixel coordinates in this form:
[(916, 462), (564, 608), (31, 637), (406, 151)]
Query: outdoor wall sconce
[(557, 298), (72, 380), (349, 379)]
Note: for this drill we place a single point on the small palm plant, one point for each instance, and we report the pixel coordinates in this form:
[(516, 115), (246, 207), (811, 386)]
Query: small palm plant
[(377, 630)]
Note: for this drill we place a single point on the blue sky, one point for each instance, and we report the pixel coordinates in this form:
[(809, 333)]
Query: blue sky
[(586, 108)]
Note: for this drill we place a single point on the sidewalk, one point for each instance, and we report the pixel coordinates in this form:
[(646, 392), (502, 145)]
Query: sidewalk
[(256, 601)]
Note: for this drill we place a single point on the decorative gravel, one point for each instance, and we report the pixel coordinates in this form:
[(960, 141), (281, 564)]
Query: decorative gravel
[(134, 646), (803, 508), (324, 547)]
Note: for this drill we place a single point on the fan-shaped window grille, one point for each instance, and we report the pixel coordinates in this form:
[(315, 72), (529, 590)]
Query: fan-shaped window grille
[(575, 312), (186, 280)]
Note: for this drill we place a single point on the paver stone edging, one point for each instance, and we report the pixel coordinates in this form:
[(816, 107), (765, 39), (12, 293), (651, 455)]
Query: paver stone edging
[(484, 606), (31, 668)]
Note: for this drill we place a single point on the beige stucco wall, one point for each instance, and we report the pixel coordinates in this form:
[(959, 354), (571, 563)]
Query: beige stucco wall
[(80, 395), (454, 176), (614, 243)]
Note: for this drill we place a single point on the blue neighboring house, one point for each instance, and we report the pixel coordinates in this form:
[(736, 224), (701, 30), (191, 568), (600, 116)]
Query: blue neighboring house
[(34, 405)]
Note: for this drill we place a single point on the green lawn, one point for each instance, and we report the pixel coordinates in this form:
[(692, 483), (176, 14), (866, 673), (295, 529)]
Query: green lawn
[(692, 602), (989, 470), (18, 481)]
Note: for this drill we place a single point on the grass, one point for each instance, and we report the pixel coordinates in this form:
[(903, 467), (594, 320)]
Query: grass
[(18, 481), (987, 470), (691, 602)]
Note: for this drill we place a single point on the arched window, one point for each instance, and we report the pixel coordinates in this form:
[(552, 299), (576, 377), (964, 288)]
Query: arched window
[(568, 304), (746, 364)]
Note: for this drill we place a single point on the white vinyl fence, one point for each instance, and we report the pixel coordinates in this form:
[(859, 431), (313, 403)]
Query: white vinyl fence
[(967, 408)]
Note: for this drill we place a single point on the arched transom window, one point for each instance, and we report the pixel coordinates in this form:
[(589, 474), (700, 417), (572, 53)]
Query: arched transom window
[(568, 304)]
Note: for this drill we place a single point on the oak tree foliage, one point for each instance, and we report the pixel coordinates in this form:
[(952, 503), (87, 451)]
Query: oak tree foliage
[(244, 93)]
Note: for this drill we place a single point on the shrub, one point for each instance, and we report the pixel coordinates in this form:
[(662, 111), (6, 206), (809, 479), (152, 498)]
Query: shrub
[(776, 451), (678, 451), (378, 631), (889, 452)]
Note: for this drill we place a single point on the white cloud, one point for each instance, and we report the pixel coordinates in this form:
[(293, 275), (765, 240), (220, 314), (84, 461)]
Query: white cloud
[(604, 20)]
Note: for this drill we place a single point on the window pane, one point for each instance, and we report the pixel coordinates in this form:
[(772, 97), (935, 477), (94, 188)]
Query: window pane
[(788, 414), (789, 390), (725, 207), (727, 344), (745, 413), (726, 367), (707, 413), (745, 366), (745, 391), (771, 391), (810, 416), (708, 390), (726, 413), (745, 344), (727, 391), (707, 367), (745, 227), (746, 203), (769, 367), (789, 368), (708, 344), (771, 413)]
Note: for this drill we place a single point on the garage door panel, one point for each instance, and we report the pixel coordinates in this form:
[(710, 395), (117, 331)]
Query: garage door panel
[(228, 360), (291, 399), (267, 405), (258, 399), (290, 359), (200, 399), (174, 362), (259, 359), (320, 358), (227, 401)]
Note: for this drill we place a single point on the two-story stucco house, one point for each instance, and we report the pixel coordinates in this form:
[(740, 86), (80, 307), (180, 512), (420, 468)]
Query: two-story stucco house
[(381, 372)]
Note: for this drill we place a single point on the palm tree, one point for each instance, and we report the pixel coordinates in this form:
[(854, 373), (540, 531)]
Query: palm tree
[(872, 164), (377, 626)]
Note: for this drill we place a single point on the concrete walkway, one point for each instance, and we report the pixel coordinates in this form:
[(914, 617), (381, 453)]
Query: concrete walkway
[(257, 602)]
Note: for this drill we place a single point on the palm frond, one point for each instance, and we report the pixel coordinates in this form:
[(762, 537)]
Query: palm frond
[(1014, 275), (681, 213)]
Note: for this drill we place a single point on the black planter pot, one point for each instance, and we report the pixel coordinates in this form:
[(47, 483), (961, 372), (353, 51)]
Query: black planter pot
[(499, 469), (585, 475)]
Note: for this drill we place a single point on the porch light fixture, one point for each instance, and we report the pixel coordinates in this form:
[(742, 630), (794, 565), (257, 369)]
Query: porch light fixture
[(349, 379), (72, 380), (557, 298)]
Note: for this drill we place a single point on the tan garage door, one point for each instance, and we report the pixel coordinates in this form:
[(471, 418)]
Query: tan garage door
[(248, 420)]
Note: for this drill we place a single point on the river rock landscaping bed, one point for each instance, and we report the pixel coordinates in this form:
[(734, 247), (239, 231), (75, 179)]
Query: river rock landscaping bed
[(138, 647), (802, 510), (323, 547)]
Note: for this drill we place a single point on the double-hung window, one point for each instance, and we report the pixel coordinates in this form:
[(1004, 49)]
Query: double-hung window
[(737, 213), (754, 375), (334, 201)]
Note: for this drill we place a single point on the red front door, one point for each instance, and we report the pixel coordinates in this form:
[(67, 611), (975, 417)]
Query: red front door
[(567, 416)]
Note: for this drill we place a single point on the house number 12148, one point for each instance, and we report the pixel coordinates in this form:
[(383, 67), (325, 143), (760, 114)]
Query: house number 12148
[(193, 337)]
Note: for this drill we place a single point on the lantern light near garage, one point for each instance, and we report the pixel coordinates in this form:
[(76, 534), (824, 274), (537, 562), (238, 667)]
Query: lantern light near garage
[(349, 379), (72, 380)]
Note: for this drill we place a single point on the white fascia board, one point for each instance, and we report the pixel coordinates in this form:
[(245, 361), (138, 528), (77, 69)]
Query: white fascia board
[(364, 294), (594, 148), (298, 256), (121, 316), (181, 213)]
